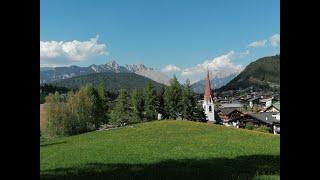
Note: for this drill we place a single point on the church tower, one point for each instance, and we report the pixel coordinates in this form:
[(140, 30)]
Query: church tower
[(208, 105)]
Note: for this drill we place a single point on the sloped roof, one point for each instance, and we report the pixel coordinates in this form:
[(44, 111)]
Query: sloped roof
[(265, 100), (227, 111), (231, 105), (276, 105), (265, 117), (254, 98)]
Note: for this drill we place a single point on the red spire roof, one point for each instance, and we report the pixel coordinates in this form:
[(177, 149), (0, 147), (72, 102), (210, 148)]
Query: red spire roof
[(207, 93)]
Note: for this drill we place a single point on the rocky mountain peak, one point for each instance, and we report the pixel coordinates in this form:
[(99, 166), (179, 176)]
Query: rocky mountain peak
[(113, 64)]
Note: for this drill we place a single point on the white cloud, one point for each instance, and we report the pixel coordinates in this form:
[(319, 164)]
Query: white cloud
[(220, 66), (275, 40), (258, 43), (59, 53), (171, 68)]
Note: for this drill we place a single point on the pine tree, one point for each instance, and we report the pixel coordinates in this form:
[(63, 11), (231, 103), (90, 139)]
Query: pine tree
[(160, 102), (120, 115), (103, 95), (98, 108), (150, 102), (199, 114), (172, 99), (188, 102), (137, 102)]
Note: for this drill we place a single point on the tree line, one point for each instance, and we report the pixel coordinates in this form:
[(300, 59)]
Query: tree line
[(90, 107), (46, 89)]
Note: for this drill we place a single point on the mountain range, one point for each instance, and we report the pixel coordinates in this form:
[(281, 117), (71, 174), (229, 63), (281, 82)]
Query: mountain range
[(48, 74), (199, 86), (263, 73)]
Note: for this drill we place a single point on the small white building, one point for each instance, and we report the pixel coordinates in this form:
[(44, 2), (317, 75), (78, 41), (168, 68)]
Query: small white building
[(266, 102)]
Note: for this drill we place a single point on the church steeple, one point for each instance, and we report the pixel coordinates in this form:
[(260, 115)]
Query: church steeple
[(208, 105), (207, 93)]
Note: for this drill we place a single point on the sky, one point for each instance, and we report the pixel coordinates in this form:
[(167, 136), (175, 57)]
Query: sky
[(177, 37)]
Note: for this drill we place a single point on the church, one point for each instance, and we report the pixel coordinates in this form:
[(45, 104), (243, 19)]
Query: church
[(208, 104)]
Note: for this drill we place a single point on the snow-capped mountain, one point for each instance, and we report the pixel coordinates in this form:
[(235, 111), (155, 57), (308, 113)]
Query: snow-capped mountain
[(151, 73), (111, 66), (52, 74)]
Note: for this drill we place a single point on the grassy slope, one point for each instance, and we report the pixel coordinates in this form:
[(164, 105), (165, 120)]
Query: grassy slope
[(171, 149)]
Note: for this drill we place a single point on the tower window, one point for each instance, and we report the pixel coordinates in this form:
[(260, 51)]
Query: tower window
[(210, 109)]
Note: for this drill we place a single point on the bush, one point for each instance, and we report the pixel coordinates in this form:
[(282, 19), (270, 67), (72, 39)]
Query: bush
[(250, 126)]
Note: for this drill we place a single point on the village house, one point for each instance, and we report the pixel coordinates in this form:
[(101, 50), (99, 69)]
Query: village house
[(229, 116), (253, 101), (269, 119), (266, 102), (275, 107), (244, 99)]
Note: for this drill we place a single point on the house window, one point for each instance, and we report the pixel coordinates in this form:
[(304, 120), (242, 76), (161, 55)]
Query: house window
[(210, 109)]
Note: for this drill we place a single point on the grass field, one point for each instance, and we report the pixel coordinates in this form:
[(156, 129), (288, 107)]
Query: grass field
[(163, 150)]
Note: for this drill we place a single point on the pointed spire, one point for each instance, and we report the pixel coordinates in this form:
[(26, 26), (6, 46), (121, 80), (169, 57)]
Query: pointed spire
[(207, 93)]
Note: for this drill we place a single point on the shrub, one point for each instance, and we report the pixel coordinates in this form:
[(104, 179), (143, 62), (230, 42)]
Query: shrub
[(250, 126)]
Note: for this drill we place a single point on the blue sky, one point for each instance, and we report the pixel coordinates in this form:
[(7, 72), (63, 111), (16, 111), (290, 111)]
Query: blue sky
[(158, 33)]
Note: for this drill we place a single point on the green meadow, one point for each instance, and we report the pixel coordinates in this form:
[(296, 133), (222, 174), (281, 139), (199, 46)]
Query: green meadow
[(168, 149)]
